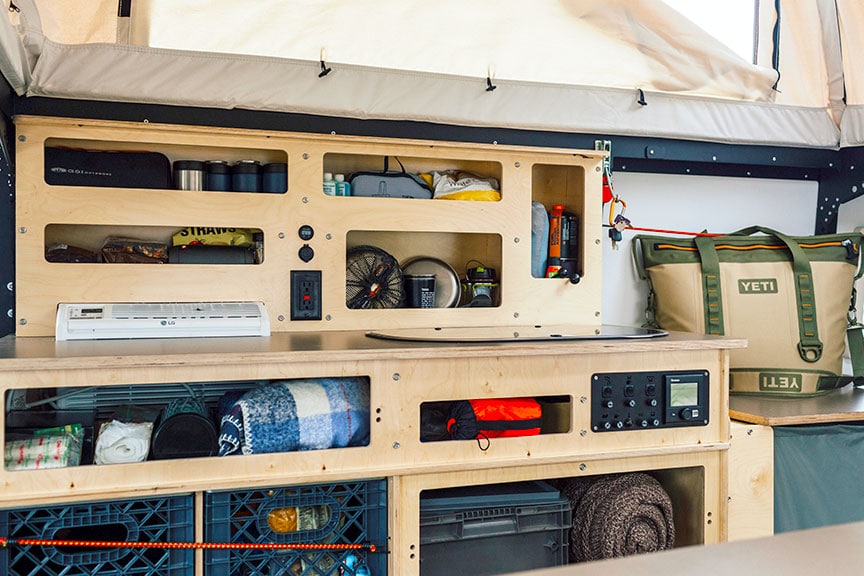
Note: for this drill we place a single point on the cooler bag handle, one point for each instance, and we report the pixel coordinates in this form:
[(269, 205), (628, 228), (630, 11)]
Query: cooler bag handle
[(809, 345)]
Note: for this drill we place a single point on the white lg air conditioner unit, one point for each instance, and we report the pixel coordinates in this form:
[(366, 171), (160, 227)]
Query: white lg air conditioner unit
[(161, 320)]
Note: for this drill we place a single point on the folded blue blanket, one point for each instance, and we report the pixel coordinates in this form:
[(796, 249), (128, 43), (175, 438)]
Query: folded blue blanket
[(291, 415)]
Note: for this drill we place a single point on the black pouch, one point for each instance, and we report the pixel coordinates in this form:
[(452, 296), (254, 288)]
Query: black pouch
[(74, 167), (389, 183)]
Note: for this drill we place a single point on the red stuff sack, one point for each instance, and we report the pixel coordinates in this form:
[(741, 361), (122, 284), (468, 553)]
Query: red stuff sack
[(494, 418)]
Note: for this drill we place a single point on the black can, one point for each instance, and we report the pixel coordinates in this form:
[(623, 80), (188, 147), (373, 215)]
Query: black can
[(274, 178), (246, 176), (218, 176)]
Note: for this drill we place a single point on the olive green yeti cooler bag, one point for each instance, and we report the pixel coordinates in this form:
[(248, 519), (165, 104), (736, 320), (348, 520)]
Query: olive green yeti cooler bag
[(791, 297)]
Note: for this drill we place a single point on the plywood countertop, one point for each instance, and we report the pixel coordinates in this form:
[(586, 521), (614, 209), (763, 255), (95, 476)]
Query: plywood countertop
[(843, 405), (39, 353)]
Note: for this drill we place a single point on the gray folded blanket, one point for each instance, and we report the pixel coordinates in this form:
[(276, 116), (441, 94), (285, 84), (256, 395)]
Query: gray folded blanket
[(618, 515)]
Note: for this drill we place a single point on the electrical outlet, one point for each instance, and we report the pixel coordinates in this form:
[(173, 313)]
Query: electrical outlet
[(305, 295)]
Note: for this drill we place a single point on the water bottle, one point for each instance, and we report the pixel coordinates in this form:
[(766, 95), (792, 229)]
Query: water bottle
[(274, 178), (218, 176), (189, 175), (246, 176), (553, 265), (329, 184), (343, 188)]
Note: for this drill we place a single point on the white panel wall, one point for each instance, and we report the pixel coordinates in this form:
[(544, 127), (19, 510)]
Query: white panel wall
[(696, 203)]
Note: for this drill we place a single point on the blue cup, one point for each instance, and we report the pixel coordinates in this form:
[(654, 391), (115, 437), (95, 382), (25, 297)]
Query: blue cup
[(217, 176), (246, 176), (274, 178)]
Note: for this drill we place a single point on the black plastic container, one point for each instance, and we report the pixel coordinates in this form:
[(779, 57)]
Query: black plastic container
[(493, 529), (184, 430)]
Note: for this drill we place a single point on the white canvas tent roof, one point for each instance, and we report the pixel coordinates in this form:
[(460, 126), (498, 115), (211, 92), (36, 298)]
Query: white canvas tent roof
[(561, 65)]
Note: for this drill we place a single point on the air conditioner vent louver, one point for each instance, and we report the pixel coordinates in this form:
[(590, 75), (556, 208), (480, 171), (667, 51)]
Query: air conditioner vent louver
[(161, 320)]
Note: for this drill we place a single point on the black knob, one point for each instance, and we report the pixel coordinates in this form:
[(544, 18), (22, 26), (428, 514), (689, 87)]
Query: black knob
[(306, 253)]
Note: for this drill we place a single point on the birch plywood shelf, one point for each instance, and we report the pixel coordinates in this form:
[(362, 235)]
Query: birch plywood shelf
[(494, 233)]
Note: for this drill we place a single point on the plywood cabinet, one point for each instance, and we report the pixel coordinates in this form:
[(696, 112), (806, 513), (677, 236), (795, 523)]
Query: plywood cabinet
[(690, 460), (495, 233)]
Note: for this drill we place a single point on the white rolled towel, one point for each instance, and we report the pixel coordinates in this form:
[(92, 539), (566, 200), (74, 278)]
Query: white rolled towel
[(123, 442)]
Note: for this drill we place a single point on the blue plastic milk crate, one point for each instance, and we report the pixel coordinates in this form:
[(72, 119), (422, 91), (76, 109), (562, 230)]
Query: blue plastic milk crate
[(170, 519), (338, 513)]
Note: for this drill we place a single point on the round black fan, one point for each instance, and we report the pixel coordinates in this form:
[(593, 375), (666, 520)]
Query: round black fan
[(373, 279)]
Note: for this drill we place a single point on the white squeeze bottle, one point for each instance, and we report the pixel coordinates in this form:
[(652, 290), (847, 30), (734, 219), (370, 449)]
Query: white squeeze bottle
[(329, 184), (343, 188)]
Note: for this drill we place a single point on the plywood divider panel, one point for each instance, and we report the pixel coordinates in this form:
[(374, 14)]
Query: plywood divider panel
[(751, 481)]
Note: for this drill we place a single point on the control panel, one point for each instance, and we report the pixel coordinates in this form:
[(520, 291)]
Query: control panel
[(639, 400)]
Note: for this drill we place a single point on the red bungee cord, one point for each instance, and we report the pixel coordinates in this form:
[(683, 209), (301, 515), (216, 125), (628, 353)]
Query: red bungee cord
[(663, 231), (4, 542), (621, 223)]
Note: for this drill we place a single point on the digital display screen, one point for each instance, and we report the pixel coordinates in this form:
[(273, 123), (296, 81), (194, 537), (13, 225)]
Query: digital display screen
[(683, 394)]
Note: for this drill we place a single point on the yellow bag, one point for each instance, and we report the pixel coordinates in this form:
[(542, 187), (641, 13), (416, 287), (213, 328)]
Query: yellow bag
[(789, 297)]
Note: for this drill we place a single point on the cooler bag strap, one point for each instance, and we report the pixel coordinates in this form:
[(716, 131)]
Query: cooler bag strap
[(639, 263), (855, 332), (712, 296), (809, 345), (855, 339)]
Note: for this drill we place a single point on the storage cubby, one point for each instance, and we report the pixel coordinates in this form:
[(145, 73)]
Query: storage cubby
[(183, 420), (695, 496), (154, 244), (522, 525), (489, 418), (350, 164), (146, 164), (560, 191), (447, 255)]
